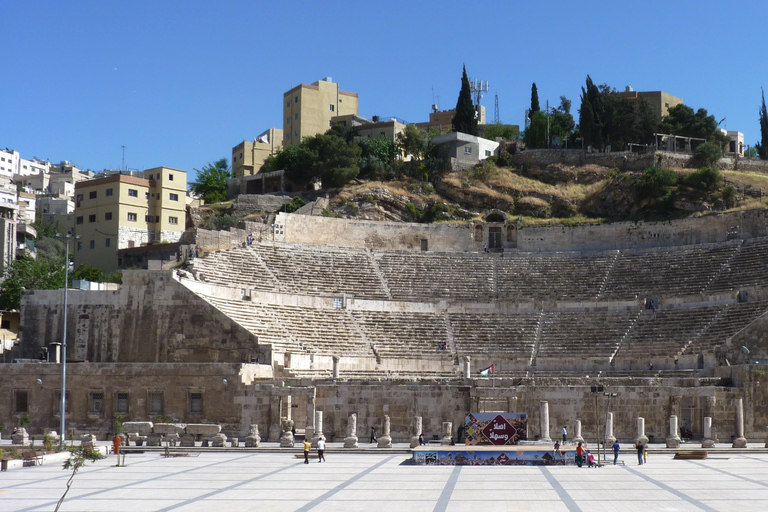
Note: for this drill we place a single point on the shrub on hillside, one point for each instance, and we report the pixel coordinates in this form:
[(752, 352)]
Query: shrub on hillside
[(706, 178), (221, 222), (729, 195), (655, 183), (706, 154)]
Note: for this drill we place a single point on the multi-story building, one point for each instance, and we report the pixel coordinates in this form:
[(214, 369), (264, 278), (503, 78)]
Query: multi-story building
[(308, 109), (248, 157), (442, 120), (120, 211), (9, 162), (9, 214), (659, 101), (31, 167)]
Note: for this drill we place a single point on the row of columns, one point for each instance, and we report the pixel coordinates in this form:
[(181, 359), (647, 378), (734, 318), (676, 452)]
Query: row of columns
[(672, 441)]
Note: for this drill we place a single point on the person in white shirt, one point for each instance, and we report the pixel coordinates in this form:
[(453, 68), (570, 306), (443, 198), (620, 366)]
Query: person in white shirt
[(565, 435), (321, 450)]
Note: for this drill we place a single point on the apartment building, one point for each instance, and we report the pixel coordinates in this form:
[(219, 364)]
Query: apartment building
[(9, 214), (308, 109), (9, 162), (121, 211), (248, 157)]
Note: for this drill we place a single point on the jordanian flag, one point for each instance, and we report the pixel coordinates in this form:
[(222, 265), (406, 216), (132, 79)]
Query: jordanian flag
[(487, 371)]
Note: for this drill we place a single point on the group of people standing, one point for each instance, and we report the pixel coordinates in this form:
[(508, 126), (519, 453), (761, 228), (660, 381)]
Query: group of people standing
[(320, 450)]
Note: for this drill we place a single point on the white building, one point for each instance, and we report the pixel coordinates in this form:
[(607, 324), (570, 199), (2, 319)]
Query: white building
[(465, 149), (9, 162)]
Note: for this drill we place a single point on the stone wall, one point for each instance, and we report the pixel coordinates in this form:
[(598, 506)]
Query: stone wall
[(621, 160), (152, 318), (361, 234), (458, 237), (246, 204)]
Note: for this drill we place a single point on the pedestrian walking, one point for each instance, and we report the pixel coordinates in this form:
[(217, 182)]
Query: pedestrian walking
[(307, 447), (565, 435), (373, 435), (616, 448), (421, 440), (321, 450), (640, 449)]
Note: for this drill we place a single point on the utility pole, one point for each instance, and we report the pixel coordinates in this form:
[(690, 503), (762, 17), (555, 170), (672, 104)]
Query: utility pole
[(123, 167)]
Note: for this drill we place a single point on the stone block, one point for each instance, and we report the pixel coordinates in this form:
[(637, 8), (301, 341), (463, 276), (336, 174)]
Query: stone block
[(187, 440), (203, 429), (252, 441), (88, 440), (218, 440), (168, 428), (234, 442), (20, 436), (142, 427), (154, 439), (172, 439)]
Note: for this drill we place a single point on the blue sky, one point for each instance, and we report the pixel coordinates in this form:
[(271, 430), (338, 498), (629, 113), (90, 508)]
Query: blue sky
[(180, 83)]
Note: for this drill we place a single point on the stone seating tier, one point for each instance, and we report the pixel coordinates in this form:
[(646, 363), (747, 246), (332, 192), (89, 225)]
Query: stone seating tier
[(518, 276)]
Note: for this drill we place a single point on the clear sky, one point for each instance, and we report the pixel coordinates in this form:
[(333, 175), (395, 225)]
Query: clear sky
[(180, 83)]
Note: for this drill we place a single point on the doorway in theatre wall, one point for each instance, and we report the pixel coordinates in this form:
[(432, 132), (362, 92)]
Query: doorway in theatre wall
[(494, 237)]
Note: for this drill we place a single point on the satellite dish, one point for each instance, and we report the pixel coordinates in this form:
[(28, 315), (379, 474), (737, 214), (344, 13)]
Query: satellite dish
[(744, 350)]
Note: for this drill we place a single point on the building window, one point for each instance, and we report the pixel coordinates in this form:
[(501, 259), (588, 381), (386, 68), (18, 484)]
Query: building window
[(108, 216), (92, 218), (132, 192), (295, 116), (132, 217), (487, 153), (173, 220), (467, 150), (21, 401), (58, 403), (287, 120), (97, 403), (109, 192), (5, 324), (288, 103), (107, 242), (295, 133), (195, 403), (296, 99), (79, 245), (333, 107), (149, 219), (170, 177), (79, 197), (93, 244), (80, 219), (151, 177), (155, 403), (174, 197), (121, 403), (92, 194)]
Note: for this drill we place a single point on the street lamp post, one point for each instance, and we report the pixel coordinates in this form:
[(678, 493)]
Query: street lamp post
[(63, 404), (607, 410), (597, 391)]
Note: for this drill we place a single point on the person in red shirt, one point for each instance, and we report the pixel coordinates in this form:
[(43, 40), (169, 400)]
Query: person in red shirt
[(579, 455)]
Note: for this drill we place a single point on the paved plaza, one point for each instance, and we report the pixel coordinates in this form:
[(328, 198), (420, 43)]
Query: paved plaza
[(277, 481)]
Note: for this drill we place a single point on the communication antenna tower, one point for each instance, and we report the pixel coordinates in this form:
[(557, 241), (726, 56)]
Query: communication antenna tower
[(477, 88), (496, 111)]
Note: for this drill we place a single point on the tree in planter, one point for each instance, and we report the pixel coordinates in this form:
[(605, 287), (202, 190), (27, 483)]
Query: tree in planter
[(80, 456), (24, 421)]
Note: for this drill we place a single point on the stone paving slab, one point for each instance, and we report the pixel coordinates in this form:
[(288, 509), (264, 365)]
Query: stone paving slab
[(231, 481)]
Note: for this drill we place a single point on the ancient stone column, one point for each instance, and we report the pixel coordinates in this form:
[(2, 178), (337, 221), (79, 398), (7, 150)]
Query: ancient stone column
[(288, 407), (577, 438), (709, 407), (447, 433), (544, 417), (286, 439), (673, 441), (467, 367), (385, 440), (609, 438), (674, 405), (318, 428), (336, 360), (351, 440), (740, 441), (254, 439), (309, 430), (275, 407), (641, 437), (417, 426), (708, 441)]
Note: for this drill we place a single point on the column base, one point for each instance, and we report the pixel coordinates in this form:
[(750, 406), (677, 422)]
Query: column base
[(350, 442), (740, 442), (414, 441), (641, 439), (673, 442), (708, 443), (286, 440), (384, 442)]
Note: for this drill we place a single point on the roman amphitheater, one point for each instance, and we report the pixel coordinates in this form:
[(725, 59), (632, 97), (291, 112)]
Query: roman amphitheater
[(398, 320)]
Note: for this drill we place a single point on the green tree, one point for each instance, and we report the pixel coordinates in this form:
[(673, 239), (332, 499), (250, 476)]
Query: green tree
[(413, 141), (80, 456), (535, 135), (211, 181), (87, 273), (378, 158), (707, 154), (592, 115), (683, 121), (31, 274), (763, 146), (655, 182), (337, 160), (465, 119), (534, 100), (505, 131)]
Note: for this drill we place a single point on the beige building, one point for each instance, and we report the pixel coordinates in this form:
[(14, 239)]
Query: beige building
[(248, 157), (308, 109), (442, 120), (122, 211), (659, 101)]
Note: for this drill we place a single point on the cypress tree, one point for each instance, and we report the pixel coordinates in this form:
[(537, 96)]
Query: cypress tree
[(464, 119), (534, 100), (763, 130)]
